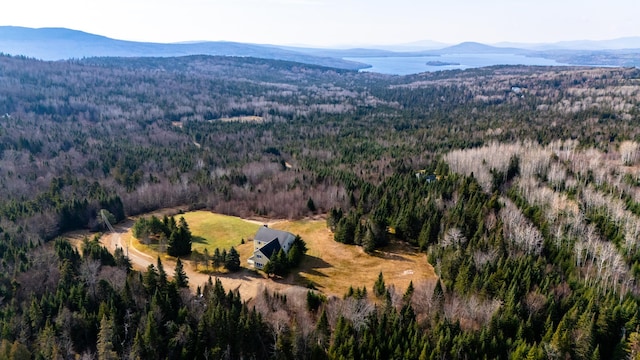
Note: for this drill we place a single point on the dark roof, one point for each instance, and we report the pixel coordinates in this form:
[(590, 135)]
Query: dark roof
[(266, 235), (271, 248)]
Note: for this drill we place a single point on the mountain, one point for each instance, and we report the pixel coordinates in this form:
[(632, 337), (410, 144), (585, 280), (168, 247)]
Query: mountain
[(414, 46), (61, 43), (593, 45), (343, 53), (478, 48), (613, 44)]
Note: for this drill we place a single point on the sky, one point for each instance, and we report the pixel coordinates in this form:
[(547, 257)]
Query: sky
[(334, 22)]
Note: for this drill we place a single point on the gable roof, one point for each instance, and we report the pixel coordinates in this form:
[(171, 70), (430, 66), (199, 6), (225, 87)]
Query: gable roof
[(267, 235), (270, 249)]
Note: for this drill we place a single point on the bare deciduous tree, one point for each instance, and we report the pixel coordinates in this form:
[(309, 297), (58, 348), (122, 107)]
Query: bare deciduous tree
[(629, 152)]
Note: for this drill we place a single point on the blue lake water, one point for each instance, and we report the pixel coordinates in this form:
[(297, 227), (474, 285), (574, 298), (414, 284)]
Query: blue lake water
[(418, 64)]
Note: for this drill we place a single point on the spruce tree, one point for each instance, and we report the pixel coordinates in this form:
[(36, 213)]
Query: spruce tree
[(180, 276), (162, 275), (105, 340), (217, 258), (232, 260), (379, 288), (323, 330)]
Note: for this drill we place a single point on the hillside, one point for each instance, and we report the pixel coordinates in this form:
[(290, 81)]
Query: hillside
[(61, 43), (518, 184)]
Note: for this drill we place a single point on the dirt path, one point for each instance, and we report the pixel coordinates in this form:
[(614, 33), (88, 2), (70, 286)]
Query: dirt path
[(248, 283), (330, 266)]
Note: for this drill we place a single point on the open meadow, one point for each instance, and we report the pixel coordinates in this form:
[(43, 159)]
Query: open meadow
[(333, 267), (329, 266)]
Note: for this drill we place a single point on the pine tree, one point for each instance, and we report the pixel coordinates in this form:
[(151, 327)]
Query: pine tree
[(180, 276), (105, 340), (232, 260), (173, 248), (297, 252), (217, 258), (150, 279), (437, 299), (409, 293), (311, 205), (180, 238), (369, 240), (424, 355), (379, 288), (269, 268), (345, 230), (162, 275), (334, 217), (150, 337)]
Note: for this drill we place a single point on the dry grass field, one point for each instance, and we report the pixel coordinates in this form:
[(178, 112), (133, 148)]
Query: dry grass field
[(333, 267), (330, 266)]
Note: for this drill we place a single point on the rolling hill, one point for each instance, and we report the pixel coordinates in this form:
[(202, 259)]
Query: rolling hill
[(61, 43)]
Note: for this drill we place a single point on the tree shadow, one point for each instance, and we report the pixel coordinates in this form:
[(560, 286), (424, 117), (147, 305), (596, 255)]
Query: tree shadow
[(242, 274), (395, 251), (388, 256), (198, 240), (313, 262), (308, 267), (301, 280)]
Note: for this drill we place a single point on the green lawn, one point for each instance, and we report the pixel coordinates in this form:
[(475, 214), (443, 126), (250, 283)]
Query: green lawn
[(212, 231), (331, 266)]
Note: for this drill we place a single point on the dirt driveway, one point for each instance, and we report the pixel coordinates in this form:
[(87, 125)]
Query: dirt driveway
[(247, 282)]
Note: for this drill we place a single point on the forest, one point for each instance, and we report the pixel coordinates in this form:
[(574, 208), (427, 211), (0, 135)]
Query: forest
[(521, 184)]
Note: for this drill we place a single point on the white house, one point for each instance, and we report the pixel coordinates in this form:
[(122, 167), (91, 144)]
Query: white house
[(266, 243)]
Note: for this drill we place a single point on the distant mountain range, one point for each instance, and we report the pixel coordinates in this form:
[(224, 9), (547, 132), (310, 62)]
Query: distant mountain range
[(61, 43), (614, 44)]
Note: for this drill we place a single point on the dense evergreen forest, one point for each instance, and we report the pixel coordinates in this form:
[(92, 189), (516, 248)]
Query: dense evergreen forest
[(522, 184)]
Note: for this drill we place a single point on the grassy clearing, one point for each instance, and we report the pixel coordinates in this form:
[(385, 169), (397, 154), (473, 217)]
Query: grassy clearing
[(333, 267), (330, 266), (210, 231), (213, 231)]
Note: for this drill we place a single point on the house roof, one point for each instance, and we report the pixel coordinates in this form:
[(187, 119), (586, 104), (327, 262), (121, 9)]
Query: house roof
[(271, 248), (267, 235)]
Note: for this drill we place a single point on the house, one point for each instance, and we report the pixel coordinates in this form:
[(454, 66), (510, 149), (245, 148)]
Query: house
[(266, 243), (429, 178)]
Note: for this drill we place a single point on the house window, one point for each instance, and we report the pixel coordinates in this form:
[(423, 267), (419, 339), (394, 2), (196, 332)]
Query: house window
[(259, 256), (258, 264)]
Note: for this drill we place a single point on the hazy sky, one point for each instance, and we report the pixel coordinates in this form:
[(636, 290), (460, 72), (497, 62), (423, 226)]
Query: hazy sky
[(334, 22)]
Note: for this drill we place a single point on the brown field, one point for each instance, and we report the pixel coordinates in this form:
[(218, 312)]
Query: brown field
[(333, 267), (330, 266)]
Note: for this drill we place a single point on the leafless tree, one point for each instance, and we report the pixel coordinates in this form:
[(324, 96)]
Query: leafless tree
[(534, 302), (629, 152), (89, 270), (422, 295), (519, 230), (453, 237)]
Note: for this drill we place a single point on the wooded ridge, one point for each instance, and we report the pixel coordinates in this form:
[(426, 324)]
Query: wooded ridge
[(526, 202)]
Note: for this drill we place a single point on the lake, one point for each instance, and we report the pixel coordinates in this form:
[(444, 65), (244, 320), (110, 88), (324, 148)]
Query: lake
[(418, 64)]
